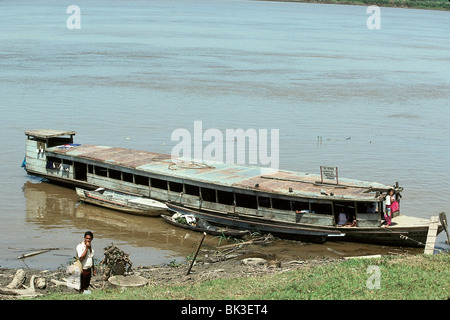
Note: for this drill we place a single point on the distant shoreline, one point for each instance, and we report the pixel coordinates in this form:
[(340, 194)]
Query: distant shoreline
[(443, 5)]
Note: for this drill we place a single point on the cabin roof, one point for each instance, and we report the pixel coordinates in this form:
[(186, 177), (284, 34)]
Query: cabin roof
[(49, 133), (228, 175)]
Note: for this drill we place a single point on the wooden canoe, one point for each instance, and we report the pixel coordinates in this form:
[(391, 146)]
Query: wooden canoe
[(123, 202), (204, 226)]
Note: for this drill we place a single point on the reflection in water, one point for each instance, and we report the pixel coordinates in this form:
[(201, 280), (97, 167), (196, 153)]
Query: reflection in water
[(148, 240)]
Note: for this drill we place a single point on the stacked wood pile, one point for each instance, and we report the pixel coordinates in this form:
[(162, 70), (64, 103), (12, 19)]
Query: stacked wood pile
[(116, 262)]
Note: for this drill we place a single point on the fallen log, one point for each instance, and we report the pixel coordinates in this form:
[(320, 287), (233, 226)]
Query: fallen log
[(29, 292), (26, 255), (18, 280), (66, 283)]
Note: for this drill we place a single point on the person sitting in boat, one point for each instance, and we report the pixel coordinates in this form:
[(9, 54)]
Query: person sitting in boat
[(342, 218), (345, 221)]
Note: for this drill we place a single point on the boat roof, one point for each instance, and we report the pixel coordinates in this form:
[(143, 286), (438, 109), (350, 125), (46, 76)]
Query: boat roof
[(49, 133), (258, 179)]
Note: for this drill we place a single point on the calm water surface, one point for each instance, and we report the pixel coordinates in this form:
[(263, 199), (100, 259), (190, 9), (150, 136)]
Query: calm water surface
[(372, 102)]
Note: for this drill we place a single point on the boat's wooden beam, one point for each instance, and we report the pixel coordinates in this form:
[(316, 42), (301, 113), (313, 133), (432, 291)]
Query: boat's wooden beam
[(432, 233)]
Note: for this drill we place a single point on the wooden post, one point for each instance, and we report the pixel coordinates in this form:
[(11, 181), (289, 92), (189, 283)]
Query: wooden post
[(431, 236), (196, 252), (443, 219)]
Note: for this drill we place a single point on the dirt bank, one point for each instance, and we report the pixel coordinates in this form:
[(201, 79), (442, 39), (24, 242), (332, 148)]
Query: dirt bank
[(208, 265)]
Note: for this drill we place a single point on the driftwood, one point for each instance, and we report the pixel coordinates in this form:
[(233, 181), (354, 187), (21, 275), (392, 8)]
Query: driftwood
[(18, 280), (27, 292), (261, 240), (26, 255), (66, 283)]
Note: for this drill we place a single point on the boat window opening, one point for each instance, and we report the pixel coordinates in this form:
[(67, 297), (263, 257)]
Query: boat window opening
[(281, 204), (80, 170), (67, 162), (53, 160), (366, 207), (53, 142), (90, 169), (225, 197), (191, 190), (141, 180), (127, 177), (264, 202), (300, 206), (321, 208), (115, 174), (246, 201), (158, 183), (208, 194), (175, 186), (100, 171), (347, 207)]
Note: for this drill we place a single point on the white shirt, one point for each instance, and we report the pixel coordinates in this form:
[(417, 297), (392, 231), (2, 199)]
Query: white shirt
[(89, 259), (388, 199)]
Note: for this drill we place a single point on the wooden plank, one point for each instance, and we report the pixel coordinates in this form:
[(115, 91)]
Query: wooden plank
[(431, 236)]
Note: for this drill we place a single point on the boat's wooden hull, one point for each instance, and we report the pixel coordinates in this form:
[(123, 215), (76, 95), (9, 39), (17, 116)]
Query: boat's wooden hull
[(310, 234), (95, 198), (394, 235)]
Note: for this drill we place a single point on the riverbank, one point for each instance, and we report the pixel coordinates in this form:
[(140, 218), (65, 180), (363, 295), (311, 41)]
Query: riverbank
[(411, 4), (403, 277)]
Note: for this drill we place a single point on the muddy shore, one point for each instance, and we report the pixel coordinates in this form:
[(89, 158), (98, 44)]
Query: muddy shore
[(155, 275), (230, 262)]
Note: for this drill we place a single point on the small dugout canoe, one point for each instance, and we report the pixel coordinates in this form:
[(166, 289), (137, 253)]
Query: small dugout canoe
[(201, 225), (123, 202)]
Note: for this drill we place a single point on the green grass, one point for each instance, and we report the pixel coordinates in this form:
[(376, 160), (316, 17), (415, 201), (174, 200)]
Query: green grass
[(401, 278)]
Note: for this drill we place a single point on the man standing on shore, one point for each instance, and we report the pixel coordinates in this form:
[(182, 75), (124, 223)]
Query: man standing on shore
[(85, 254)]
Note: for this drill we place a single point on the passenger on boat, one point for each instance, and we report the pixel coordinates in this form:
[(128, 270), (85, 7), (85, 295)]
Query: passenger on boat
[(342, 218), (345, 221), (390, 198)]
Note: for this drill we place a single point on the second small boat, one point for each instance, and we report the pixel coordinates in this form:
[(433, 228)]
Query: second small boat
[(191, 223), (123, 202)]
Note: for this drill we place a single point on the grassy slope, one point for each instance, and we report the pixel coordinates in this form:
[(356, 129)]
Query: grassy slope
[(401, 278)]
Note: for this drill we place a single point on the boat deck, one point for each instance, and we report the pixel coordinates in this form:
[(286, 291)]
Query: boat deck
[(408, 221)]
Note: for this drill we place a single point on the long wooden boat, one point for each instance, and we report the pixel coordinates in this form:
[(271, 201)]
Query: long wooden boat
[(204, 226), (123, 202), (290, 204)]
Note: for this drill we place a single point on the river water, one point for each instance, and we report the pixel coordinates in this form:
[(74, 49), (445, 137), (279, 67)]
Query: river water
[(373, 102)]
